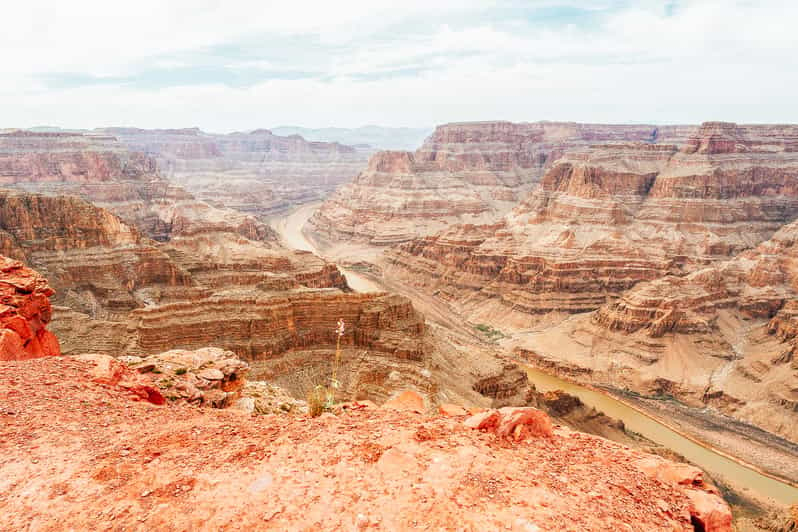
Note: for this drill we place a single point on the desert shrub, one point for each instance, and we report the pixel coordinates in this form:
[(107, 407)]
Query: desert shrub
[(317, 401)]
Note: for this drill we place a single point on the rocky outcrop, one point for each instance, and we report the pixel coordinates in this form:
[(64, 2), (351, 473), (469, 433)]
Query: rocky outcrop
[(465, 172), (256, 172), (132, 464), (609, 216), (24, 313), (98, 264), (207, 376)]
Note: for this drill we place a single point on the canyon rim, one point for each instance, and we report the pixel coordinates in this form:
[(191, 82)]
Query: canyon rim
[(469, 266)]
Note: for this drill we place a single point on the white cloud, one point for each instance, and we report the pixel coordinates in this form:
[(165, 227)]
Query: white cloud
[(409, 64)]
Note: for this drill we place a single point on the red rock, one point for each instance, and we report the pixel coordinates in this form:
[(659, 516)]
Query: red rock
[(706, 505), (518, 423), (710, 511), (451, 410), (487, 420), (408, 401), (106, 370), (186, 468), (24, 313)]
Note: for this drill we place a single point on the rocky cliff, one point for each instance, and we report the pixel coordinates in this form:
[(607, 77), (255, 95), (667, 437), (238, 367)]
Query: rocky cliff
[(101, 460), (255, 172), (121, 293), (735, 321), (102, 170), (24, 313), (465, 172), (608, 216)]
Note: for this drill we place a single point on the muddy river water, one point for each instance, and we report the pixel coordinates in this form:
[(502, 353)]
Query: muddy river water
[(738, 474)]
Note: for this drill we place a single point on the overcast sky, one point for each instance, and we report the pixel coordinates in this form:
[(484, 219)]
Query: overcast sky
[(228, 65)]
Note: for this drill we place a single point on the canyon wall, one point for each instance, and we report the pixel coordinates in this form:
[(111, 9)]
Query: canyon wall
[(608, 216), (730, 325), (681, 249), (100, 169), (121, 293), (256, 172), (465, 172)]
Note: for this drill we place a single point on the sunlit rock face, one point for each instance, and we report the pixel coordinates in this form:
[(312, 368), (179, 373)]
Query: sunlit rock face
[(24, 313), (465, 172), (608, 216)]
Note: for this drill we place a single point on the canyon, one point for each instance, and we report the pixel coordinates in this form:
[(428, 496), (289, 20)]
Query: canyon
[(124, 448), (641, 235), (646, 260), (472, 173), (254, 172)]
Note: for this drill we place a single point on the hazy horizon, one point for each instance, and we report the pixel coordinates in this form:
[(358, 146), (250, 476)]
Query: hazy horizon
[(237, 66)]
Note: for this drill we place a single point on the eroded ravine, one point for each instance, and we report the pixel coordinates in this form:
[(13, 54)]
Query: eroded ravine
[(732, 471)]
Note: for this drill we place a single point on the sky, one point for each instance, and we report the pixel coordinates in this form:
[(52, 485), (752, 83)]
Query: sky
[(226, 65)]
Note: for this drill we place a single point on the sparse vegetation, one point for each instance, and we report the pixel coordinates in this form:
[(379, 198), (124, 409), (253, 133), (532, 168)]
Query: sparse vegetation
[(490, 332), (322, 398), (181, 371), (317, 401)]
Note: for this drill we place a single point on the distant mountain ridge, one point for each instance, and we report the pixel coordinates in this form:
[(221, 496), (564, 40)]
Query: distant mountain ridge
[(383, 138)]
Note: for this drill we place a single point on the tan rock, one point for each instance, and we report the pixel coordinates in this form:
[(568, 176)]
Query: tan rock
[(450, 410), (406, 401)]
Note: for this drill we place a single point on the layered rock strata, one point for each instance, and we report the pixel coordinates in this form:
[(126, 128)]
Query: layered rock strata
[(256, 172), (102, 170), (105, 461), (733, 324), (120, 293), (608, 216), (465, 172), (24, 313)]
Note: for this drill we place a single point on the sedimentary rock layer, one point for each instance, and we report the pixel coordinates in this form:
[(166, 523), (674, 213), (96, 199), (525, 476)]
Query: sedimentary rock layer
[(100, 169), (465, 172), (608, 216), (24, 313), (255, 172), (735, 321)]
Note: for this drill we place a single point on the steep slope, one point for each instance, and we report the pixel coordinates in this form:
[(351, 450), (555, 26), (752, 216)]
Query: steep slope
[(731, 326), (608, 216), (101, 460), (120, 293), (465, 172), (24, 313), (256, 172), (100, 169)]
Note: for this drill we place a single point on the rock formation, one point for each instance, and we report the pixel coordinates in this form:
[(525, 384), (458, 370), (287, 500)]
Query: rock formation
[(465, 172), (257, 172), (735, 319), (24, 313), (608, 216), (101, 460), (100, 169), (120, 293)]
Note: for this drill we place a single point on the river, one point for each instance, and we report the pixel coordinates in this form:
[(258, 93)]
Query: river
[(289, 227), (735, 473)]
